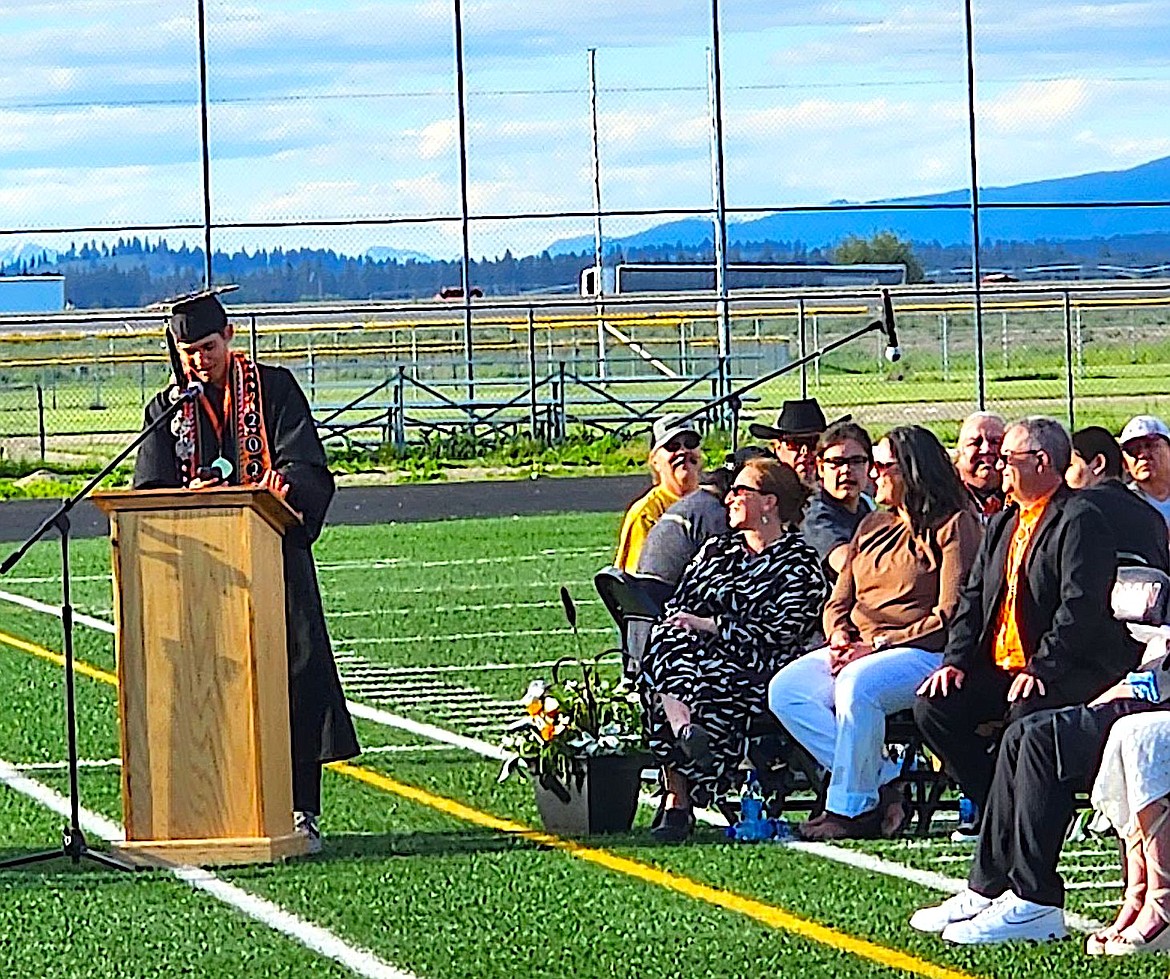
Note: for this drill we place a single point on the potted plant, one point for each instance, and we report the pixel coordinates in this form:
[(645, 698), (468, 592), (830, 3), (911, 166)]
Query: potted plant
[(581, 743)]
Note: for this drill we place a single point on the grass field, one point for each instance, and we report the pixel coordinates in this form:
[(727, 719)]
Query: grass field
[(428, 869)]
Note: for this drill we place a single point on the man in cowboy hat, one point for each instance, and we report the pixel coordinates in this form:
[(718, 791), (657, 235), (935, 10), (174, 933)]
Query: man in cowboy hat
[(793, 439)]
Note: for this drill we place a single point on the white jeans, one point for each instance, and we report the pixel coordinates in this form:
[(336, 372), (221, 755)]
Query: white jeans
[(841, 721)]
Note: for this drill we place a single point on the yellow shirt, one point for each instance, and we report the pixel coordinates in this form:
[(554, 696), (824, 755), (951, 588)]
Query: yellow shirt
[(640, 517), (1009, 649)]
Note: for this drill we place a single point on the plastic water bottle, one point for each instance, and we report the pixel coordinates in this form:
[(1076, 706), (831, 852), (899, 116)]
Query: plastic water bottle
[(753, 824)]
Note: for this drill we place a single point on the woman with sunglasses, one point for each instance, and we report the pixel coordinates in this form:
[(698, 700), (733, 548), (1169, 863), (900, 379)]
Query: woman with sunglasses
[(886, 622), (746, 605), (676, 462)]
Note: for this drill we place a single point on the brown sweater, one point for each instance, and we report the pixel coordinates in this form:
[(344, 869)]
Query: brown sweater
[(902, 588)]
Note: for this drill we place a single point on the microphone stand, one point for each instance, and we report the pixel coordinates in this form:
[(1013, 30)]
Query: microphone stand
[(73, 842), (734, 399)]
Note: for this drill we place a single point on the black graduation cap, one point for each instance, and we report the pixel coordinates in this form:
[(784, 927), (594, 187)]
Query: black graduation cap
[(199, 315)]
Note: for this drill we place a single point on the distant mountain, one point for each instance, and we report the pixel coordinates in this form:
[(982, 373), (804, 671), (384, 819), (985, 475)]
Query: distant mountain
[(25, 251), (1147, 182), (381, 253)]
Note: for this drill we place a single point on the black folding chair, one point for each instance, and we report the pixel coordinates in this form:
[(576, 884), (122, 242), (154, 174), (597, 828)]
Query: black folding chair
[(633, 610)]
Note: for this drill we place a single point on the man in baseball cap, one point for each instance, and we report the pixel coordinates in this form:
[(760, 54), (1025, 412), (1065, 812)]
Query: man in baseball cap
[(793, 439), (676, 463), (1145, 441)]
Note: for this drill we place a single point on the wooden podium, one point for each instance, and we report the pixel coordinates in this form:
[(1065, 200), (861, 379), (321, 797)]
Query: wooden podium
[(202, 675)]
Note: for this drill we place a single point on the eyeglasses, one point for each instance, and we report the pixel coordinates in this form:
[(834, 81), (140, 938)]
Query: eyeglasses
[(841, 462), (741, 490), (690, 442), (880, 468), (1006, 456), (799, 446)]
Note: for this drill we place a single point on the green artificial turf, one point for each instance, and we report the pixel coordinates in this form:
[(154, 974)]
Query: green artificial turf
[(421, 889)]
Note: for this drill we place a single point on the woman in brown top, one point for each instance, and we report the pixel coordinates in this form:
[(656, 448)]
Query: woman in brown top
[(886, 622)]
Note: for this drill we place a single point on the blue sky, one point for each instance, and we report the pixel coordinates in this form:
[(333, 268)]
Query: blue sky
[(331, 110)]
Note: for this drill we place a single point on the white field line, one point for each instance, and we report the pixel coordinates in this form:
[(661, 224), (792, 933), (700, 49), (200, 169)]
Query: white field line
[(103, 626), (31, 603), (467, 636), (311, 936), (498, 607), (55, 766), (397, 562), (863, 861), (406, 671), (405, 749)]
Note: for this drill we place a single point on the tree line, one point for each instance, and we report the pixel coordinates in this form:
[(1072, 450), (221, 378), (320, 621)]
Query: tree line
[(134, 272)]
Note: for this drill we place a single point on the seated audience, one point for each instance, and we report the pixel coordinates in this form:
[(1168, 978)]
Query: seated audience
[(674, 541), (676, 463), (887, 625), (1014, 892), (1132, 789), (844, 454), (976, 461), (1034, 627), (793, 439), (745, 607), (1046, 758), (1096, 470), (1145, 440)]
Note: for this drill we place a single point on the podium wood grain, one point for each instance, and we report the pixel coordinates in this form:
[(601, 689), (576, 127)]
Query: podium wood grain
[(202, 671)]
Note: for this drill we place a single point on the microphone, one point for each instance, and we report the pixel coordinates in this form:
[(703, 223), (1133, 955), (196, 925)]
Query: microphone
[(893, 351), (218, 472)]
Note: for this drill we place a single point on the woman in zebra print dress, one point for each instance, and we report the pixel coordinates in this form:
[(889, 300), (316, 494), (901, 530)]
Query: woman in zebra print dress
[(747, 604)]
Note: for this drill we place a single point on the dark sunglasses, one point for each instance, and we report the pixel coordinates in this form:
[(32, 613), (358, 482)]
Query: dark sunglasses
[(741, 490), (842, 462), (800, 445), (690, 442), (881, 468), (1007, 457)]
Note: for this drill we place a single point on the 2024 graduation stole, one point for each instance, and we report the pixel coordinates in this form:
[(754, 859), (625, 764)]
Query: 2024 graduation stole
[(246, 400)]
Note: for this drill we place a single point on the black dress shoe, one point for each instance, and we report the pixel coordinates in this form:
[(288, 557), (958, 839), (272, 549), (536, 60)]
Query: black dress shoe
[(674, 827)]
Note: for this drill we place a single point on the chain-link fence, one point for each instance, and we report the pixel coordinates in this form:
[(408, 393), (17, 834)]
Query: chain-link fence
[(388, 374), (363, 158)]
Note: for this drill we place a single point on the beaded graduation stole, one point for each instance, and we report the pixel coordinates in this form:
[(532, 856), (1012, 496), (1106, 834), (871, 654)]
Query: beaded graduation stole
[(243, 402)]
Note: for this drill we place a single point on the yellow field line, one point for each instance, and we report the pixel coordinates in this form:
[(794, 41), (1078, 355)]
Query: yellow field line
[(766, 914), (80, 667)]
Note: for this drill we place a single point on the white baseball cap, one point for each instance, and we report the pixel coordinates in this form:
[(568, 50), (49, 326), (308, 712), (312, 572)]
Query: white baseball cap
[(1143, 426)]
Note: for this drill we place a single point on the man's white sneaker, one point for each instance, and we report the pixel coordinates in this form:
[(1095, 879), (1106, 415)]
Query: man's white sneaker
[(1009, 919), (959, 907)]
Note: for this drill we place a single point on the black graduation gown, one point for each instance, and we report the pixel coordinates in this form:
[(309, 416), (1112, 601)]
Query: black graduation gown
[(321, 726)]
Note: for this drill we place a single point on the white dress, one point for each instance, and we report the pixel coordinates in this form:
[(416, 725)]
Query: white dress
[(1135, 769)]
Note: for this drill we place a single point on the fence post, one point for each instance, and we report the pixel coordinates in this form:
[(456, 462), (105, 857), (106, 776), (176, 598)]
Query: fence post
[(1080, 342), (1003, 339), (946, 353), (312, 373), (400, 409), (41, 419), (562, 422), (800, 327), (1068, 360), (532, 372)]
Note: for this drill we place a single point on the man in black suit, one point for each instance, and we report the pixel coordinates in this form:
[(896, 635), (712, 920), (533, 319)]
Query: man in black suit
[(1047, 756), (1033, 631)]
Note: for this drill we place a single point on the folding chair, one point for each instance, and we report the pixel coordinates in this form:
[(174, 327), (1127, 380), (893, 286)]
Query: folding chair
[(633, 610)]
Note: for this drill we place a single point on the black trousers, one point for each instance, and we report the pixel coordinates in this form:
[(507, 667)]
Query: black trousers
[(949, 723), (306, 783), (1044, 759)]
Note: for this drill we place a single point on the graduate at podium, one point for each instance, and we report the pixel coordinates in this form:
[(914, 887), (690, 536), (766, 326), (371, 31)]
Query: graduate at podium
[(251, 425)]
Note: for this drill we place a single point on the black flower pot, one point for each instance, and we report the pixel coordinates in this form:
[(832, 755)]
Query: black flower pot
[(601, 795)]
